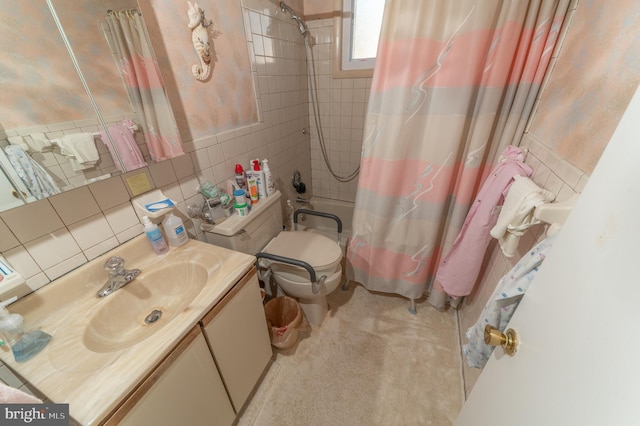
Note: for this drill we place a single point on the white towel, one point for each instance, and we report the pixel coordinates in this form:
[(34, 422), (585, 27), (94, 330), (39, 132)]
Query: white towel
[(81, 150), (39, 143), (516, 215), (18, 141)]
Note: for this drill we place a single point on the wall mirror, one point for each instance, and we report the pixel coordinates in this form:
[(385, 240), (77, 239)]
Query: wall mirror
[(82, 97)]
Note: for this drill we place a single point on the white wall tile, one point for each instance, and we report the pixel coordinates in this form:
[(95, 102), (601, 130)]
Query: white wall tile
[(76, 205), (109, 193), (122, 217), (162, 173), (32, 220), (7, 239), (65, 266), (91, 231), (101, 248), (130, 233), (52, 249), (22, 262), (183, 166), (38, 281)]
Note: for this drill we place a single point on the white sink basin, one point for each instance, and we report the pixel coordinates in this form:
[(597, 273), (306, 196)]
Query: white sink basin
[(162, 293)]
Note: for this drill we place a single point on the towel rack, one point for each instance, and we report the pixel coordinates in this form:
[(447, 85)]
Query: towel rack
[(555, 214)]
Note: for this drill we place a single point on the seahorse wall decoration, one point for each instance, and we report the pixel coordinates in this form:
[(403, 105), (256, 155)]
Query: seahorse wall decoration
[(200, 38)]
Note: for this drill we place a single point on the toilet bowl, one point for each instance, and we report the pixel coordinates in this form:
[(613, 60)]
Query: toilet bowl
[(261, 231), (322, 254)]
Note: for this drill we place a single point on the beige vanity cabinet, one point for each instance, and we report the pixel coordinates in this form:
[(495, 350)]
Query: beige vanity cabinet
[(237, 333), (192, 387), (185, 389)]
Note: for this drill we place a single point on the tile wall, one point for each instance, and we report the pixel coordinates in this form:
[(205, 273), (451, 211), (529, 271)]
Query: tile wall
[(342, 106)]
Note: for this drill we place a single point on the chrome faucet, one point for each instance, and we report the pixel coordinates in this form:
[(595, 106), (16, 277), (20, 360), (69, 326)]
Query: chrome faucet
[(118, 276)]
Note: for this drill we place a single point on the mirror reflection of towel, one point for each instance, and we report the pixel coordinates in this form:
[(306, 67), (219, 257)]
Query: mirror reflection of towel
[(32, 174), (81, 150), (39, 143), (124, 150)]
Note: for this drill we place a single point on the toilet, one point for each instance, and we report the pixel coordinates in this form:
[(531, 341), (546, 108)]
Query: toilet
[(261, 231)]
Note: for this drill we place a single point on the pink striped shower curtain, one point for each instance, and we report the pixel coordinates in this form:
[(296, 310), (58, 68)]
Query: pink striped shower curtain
[(144, 84), (454, 84)]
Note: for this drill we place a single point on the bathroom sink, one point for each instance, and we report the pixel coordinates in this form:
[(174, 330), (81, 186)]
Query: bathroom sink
[(156, 296)]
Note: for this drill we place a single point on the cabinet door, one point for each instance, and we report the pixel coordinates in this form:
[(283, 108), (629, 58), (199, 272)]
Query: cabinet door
[(184, 390), (239, 338)]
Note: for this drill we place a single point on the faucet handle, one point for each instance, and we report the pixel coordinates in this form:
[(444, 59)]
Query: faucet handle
[(114, 265)]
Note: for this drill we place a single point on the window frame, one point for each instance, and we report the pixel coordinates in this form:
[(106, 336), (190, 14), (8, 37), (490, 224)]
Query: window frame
[(342, 35)]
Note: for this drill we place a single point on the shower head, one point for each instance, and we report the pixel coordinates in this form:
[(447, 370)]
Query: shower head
[(302, 26)]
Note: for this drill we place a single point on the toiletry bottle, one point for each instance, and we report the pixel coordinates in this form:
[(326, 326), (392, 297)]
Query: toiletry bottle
[(249, 174), (240, 178), (174, 228), (24, 345), (259, 174), (252, 184), (158, 244), (268, 177), (290, 211)]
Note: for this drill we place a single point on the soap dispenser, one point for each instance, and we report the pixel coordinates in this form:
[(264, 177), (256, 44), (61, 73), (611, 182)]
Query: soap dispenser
[(24, 344)]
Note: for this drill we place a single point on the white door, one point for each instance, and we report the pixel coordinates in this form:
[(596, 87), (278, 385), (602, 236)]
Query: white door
[(578, 362)]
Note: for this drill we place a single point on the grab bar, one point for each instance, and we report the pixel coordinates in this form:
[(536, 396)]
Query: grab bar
[(321, 214), (315, 284)]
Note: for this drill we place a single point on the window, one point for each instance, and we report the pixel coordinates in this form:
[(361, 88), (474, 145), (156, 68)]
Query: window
[(358, 34)]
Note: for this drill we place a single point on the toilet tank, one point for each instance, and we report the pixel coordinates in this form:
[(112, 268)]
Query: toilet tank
[(248, 234)]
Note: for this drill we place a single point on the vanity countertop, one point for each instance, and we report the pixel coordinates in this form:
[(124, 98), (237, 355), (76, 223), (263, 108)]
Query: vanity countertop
[(93, 383)]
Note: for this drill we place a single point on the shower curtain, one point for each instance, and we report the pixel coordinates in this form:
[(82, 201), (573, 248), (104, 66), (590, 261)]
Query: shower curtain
[(144, 83), (454, 84)]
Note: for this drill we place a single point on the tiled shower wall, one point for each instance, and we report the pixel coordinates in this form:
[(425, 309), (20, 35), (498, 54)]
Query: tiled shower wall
[(342, 106)]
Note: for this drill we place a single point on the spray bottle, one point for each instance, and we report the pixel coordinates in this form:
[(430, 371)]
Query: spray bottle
[(240, 178), (24, 345)]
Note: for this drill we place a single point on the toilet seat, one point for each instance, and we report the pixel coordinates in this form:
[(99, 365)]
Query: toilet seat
[(320, 252)]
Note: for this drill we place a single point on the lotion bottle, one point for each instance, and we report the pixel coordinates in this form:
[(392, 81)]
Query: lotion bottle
[(174, 228), (259, 175), (268, 177), (154, 235)]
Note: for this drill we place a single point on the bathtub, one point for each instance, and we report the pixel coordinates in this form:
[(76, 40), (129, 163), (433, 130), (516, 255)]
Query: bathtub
[(342, 209)]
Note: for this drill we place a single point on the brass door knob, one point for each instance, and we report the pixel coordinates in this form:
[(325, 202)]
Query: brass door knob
[(508, 340)]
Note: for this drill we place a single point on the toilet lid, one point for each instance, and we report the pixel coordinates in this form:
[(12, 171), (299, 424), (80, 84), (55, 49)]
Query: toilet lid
[(315, 249)]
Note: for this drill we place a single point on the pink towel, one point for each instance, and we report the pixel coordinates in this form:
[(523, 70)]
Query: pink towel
[(125, 145)]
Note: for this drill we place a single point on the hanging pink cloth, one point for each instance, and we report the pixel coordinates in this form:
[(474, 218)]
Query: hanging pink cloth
[(125, 144), (458, 271)]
